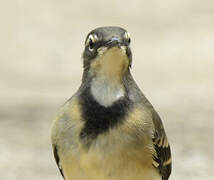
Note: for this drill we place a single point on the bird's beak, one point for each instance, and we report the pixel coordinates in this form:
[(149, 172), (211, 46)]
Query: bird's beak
[(114, 42)]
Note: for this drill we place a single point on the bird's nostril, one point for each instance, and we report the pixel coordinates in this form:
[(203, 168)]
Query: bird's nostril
[(113, 42), (115, 39)]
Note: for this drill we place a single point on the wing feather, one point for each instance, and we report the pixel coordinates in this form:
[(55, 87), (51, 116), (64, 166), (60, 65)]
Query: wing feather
[(162, 157)]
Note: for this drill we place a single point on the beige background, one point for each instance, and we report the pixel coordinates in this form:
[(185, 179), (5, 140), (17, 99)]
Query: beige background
[(40, 68)]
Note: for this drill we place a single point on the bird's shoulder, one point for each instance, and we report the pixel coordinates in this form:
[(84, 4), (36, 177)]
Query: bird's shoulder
[(67, 118)]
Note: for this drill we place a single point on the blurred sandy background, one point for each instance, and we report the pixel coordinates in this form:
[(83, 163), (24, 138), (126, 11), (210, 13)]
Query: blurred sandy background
[(40, 68)]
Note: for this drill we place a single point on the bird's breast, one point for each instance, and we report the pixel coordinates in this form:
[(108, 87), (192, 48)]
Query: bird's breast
[(117, 155), (110, 143)]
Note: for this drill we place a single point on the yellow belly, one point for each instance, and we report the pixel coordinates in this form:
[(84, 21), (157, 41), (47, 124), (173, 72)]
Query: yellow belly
[(104, 164), (128, 171)]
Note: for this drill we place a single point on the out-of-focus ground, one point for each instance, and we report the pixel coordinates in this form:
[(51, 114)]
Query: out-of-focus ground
[(40, 68)]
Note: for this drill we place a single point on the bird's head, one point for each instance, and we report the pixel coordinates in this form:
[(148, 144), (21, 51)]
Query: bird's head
[(107, 52)]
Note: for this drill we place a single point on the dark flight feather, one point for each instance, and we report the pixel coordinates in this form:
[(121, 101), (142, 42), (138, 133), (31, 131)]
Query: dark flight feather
[(162, 158)]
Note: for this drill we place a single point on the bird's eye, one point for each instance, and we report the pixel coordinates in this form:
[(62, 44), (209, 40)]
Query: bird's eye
[(91, 42), (128, 38)]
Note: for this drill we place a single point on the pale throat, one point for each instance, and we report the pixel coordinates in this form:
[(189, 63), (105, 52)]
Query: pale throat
[(107, 86), (106, 92)]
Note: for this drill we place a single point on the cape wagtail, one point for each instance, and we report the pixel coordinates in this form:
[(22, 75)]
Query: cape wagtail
[(108, 130)]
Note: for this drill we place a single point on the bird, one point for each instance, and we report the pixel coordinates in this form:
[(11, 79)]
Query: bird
[(108, 130)]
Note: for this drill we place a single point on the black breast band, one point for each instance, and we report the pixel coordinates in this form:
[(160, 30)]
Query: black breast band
[(99, 119)]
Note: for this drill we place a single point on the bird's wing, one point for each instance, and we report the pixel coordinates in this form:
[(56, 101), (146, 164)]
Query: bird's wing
[(60, 126), (56, 156), (162, 157)]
